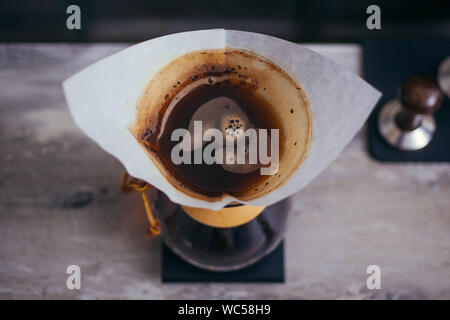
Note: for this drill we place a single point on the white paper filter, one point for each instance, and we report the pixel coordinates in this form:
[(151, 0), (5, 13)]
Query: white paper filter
[(102, 100)]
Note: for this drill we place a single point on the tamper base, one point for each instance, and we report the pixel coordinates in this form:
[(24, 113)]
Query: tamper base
[(404, 140)]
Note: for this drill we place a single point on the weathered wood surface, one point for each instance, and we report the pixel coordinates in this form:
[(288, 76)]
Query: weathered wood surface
[(60, 205)]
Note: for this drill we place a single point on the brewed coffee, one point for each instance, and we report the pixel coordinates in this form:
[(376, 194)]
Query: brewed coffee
[(215, 179), (260, 97)]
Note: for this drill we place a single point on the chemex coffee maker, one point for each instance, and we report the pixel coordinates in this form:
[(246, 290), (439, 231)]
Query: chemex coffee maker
[(216, 129)]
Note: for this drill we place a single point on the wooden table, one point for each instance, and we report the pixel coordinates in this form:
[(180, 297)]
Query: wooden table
[(60, 205)]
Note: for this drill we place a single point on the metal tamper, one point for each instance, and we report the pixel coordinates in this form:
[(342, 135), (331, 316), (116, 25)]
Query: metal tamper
[(444, 76), (407, 123)]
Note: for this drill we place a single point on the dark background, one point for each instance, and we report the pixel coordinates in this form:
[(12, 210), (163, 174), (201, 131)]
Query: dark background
[(137, 20)]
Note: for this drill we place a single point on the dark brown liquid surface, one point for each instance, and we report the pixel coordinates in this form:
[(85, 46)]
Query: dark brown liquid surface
[(212, 180)]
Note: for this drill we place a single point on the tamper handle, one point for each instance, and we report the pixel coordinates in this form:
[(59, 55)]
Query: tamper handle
[(419, 95)]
